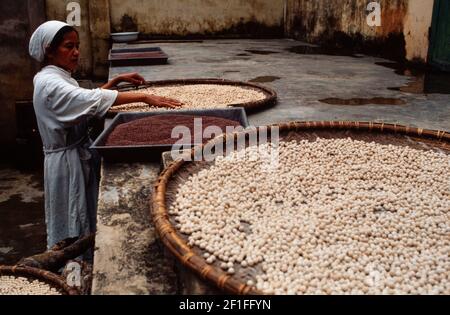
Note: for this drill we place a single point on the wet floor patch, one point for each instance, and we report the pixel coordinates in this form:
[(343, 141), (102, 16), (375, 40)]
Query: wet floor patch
[(239, 59), (27, 186), (261, 52), (208, 60), (22, 229), (424, 80), (232, 71), (5, 250), (22, 215), (364, 101), (264, 79), (321, 50)]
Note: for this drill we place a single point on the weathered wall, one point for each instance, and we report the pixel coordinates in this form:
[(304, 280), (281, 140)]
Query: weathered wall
[(57, 10), (403, 31), (199, 17), (416, 30), (312, 20), (100, 28), (344, 22), (16, 67)]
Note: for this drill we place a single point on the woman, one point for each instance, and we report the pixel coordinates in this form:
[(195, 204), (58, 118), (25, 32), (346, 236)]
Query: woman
[(63, 111)]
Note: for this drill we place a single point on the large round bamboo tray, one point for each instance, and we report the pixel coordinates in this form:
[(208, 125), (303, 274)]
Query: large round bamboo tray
[(191, 257), (269, 100), (48, 277)]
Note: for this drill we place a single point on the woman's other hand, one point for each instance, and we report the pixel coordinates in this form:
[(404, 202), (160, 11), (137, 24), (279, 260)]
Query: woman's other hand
[(133, 78)]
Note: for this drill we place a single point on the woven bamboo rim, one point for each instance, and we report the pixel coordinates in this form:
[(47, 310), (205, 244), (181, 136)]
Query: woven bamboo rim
[(173, 240), (270, 100), (48, 277)]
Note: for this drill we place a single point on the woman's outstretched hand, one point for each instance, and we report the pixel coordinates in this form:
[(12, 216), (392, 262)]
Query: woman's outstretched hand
[(152, 100), (159, 101)]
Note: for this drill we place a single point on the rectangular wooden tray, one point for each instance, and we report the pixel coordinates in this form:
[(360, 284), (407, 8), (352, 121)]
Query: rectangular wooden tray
[(152, 153), (137, 56)]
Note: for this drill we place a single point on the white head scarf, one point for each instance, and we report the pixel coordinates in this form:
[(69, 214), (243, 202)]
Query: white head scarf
[(43, 37)]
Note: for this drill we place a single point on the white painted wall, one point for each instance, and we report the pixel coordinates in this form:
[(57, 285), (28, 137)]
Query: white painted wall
[(183, 17)]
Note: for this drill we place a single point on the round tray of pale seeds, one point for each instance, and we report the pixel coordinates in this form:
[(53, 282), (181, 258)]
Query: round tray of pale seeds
[(201, 94), (350, 208), (16, 280)]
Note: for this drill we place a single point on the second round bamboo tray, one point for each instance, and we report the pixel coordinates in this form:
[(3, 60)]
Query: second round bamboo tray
[(192, 259), (269, 100)]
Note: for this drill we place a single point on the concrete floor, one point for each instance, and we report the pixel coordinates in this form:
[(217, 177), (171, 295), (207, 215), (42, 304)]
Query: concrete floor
[(304, 80)]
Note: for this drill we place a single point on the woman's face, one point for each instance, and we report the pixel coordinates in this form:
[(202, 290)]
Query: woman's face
[(67, 54)]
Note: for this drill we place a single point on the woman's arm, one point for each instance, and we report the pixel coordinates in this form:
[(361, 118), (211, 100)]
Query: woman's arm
[(110, 84), (128, 97), (133, 78), (70, 104), (153, 100)]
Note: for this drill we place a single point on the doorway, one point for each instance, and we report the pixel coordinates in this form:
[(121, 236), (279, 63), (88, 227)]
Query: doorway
[(439, 54)]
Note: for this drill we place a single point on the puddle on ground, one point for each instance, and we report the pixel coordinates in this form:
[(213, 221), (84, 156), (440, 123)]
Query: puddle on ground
[(261, 52), (264, 79), (232, 71), (319, 50), (22, 214), (27, 185), (22, 229), (5, 250), (243, 55), (240, 58), (208, 60), (425, 80), (364, 101)]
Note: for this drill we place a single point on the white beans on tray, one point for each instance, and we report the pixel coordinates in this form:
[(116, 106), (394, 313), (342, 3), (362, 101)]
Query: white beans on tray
[(196, 96), (338, 216)]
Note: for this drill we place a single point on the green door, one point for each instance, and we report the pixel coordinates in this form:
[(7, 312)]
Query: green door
[(439, 55)]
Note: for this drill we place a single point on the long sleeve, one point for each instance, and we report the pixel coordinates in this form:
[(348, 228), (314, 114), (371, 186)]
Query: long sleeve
[(71, 104)]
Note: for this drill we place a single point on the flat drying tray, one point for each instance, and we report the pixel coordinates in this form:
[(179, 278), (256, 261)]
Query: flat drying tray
[(144, 153), (137, 56), (250, 107)]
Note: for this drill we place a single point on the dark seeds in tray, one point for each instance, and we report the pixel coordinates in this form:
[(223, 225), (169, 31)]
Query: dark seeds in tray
[(158, 130)]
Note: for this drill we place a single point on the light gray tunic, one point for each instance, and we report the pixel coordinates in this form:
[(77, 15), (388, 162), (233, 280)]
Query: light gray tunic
[(63, 110)]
